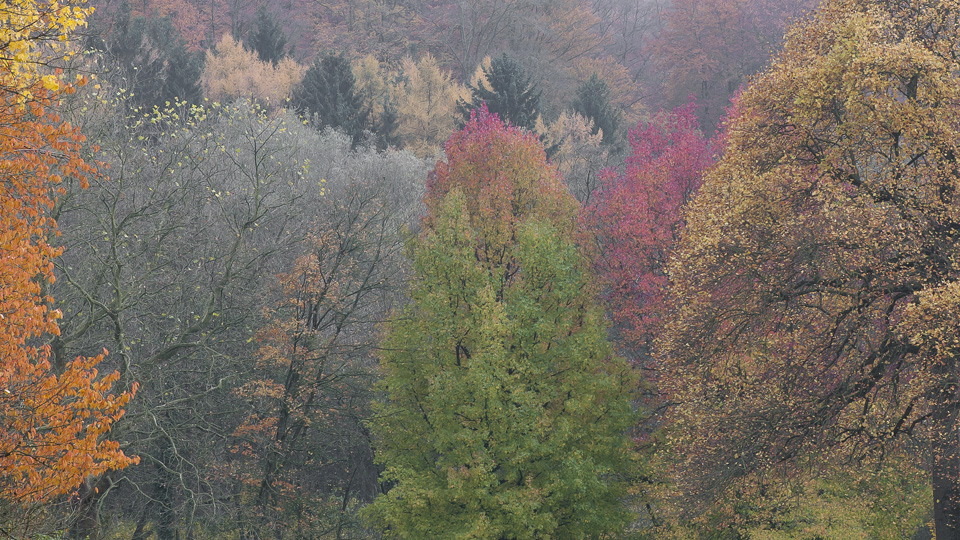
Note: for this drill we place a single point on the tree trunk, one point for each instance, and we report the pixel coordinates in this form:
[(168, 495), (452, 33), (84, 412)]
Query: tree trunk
[(946, 464)]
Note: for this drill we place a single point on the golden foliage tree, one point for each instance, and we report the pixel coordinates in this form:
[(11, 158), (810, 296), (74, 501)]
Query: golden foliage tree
[(427, 101), (817, 278), (231, 72)]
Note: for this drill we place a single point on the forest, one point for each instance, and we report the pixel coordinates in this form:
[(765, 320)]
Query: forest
[(479, 269)]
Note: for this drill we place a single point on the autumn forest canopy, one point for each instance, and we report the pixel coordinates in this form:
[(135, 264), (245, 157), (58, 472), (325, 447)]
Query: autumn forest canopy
[(479, 269)]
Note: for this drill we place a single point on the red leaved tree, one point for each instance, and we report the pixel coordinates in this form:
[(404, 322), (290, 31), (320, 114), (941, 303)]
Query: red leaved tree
[(637, 217)]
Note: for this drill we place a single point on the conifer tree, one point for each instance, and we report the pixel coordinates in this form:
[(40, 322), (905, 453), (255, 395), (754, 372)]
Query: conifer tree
[(267, 38), (506, 408), (593, 102), (512, 95), (154, 60), (328, 91)]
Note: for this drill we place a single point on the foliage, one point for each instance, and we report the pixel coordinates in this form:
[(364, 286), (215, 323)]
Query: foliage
[(154, 60), (314, 375), (165, 263), (637, 218), (53, 421), (328, 93), (384, 29), (267, 39), (376, 84), (816, 280), (507, 91), (581, 156), (709, 48), (593, 103), (427, 100), (32, 33), (231, 72), (53, 418), (506, 409)]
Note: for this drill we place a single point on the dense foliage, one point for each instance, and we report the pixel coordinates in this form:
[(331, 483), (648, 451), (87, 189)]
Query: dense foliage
[(721, 320), (816, 280), (506, 409)]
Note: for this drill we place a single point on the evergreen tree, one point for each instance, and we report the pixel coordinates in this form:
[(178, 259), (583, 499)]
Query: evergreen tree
[(593, 102), (506, 408), (182, 68), (153, 58), (387, 126), (328, 92), (512, 96), (267, 38)]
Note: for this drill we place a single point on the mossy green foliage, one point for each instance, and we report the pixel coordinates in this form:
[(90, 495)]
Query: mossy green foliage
[(506, 410)]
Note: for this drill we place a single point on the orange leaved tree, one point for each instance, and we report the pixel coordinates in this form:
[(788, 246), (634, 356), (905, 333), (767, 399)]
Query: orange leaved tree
[(51, 424)]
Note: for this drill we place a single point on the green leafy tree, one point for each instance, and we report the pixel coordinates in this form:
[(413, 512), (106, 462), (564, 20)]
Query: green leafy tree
[(328, 92), (268, 39), (593, 102), (506, 408)]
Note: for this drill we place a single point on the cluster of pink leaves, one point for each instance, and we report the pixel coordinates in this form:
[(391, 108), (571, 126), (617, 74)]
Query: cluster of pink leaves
[(637, 217)]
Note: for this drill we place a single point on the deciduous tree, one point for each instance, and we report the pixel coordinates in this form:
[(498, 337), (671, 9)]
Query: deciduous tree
[(427, 100), (637, 217), (232, 72), (52, 421), (817, 278), (506, 410)]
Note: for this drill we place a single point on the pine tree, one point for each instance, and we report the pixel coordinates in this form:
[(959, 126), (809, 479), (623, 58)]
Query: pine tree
[(512, 96), (506, 408), (593, 102), (328, 92), (154, 60), (267, 39)]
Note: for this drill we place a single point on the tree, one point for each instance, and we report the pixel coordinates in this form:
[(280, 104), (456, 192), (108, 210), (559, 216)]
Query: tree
[(427, 100), (312, 386), (33, 33), (164, 264), (231, 72), (171, 263), (267, 39), (53, 422), (510, 95), (375, 83), (708, 48), (593, 102), (637, 218), (154, 60), (816, 281), (506, 409), (327, 91), (581, 155)]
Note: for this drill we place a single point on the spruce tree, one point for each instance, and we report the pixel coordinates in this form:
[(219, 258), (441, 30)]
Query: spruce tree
[(328, 93), (506, 409), (267, 38), (593, 102), (154, 60), (512, 95)]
